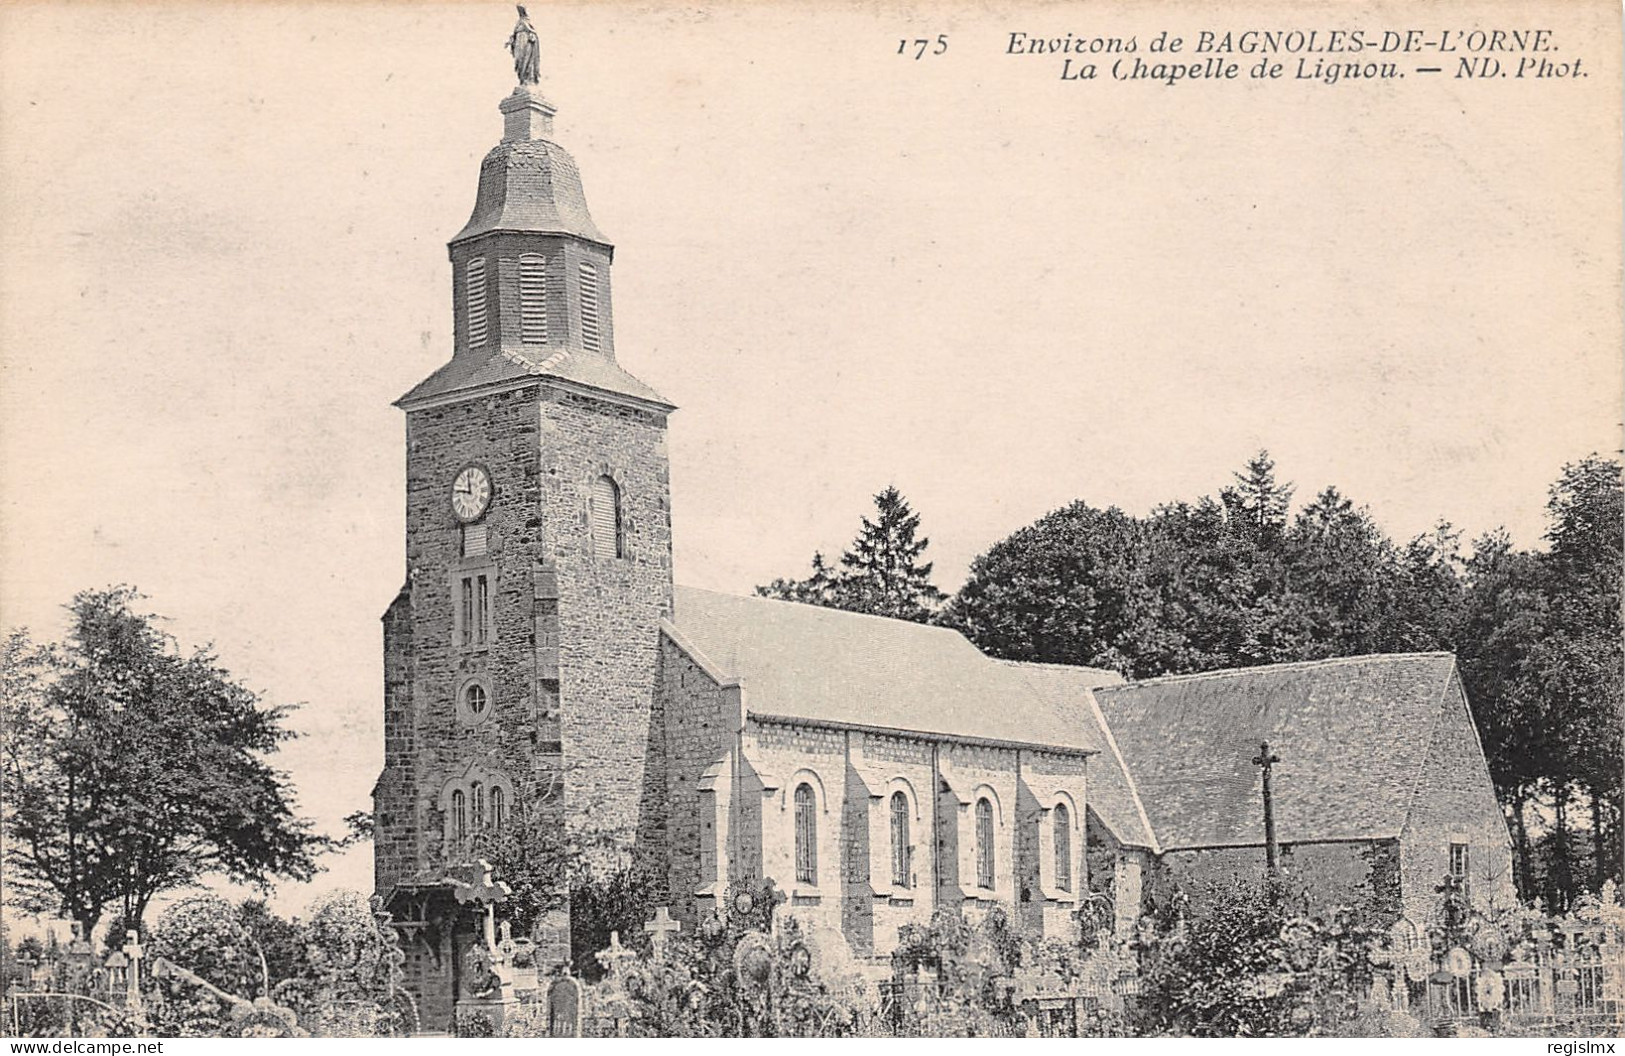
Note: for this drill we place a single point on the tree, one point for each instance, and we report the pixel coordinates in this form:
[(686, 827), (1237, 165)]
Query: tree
[(1248, 967), (129, 769), (1586, 508), (1502, 624), (1259, 501), (816, 589), (1071, 588), (1227, 582), (1540, 643), (880, 573)]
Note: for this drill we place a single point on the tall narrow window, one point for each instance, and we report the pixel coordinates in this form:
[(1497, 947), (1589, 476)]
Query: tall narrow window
[(589, 307), (467, 611), (499, 807), (482, 610), (806, 835), (1063, 847), (607, 538), (477, 319), (984, 844), (1458, 866), (459, 816), (901, 850), (473, 628), (532, 299), (476, 793)]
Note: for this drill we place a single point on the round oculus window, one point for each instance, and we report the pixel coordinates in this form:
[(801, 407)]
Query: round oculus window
[(474, 702)]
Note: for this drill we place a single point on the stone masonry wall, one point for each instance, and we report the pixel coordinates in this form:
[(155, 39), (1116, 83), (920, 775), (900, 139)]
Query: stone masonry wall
[(890, 764), (498, 432), (1454, 803), (1047, 779), (1358, 873), (699, 733), (609, 612), (791, 755), (972, 771), (394, 802)]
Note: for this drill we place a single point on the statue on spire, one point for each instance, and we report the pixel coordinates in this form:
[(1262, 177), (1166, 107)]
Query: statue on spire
[(526, 48)]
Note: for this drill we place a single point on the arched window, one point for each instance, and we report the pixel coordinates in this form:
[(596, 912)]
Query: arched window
[(459, 816), (984, 843), (1063, 847), (902, 867), (499, 807), (588, 274), (806, 835), (606, 519), (533, 299), (477, 318), (476, 792)]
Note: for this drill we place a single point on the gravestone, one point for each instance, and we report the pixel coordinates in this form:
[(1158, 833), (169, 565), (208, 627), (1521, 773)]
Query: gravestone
[(660, 930), (564, 1006)]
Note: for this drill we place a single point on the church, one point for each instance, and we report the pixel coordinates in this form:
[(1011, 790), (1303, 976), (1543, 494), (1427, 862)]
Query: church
[(540, 664)]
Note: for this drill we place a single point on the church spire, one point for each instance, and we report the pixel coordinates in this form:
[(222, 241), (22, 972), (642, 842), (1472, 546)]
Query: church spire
[(531, 283)]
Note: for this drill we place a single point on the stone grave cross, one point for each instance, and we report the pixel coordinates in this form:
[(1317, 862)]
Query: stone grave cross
[(616, 956), (661, 929), (486, 892), (133, 953)]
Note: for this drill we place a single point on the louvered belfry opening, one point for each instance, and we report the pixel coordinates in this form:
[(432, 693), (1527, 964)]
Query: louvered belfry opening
[(606, 519), (533, 299), (478, 319), (590, 339)]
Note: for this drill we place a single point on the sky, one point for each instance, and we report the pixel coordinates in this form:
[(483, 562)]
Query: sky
[(224, 256)]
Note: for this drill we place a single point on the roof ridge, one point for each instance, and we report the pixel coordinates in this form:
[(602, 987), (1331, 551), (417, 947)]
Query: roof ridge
[(831, 609), (1330, 661), (1051, 664)]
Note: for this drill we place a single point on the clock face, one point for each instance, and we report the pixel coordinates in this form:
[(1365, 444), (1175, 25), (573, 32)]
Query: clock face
[(471, 493)]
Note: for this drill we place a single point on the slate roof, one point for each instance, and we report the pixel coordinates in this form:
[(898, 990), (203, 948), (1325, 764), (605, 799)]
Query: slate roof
[(1352, 735), (532, 186), (827, 666), (473, 370), (1112, 796)]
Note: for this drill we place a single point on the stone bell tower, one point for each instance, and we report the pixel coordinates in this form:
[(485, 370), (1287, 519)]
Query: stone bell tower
[(520, 656)]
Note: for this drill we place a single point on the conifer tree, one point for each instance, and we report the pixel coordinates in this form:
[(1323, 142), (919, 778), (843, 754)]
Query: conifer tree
[(1256, 496), (880, 573)]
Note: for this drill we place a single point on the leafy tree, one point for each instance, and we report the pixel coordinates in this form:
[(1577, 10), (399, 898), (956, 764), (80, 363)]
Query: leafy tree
[(1071, 588), (881, 573), (1249, 967), (1503, 626), (1227, 582), (278, 944), (1540, 643), (205, 934), (619, 902), (1587, 561), (129, 769)]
